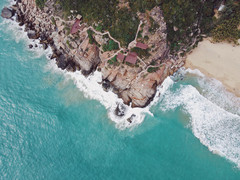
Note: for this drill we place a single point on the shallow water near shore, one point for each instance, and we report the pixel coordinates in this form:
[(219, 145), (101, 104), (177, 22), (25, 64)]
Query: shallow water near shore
[(50, 129)]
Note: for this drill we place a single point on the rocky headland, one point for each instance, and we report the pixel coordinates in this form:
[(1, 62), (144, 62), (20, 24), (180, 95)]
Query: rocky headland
[(74, 49)]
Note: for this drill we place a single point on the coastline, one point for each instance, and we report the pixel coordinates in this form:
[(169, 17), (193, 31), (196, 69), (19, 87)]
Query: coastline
[(75, 52), (76, 56), (83, 83), (217, 60), (44, 39)]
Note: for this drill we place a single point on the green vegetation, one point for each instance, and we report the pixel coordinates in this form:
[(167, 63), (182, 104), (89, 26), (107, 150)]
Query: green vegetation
[(186, 19), (140, 34), (154, 25), (114, 61), (53, 21), (111, 45), (143, 5), (146, 38), (40, 3), (227, 27), (190, 17), (67, 29), (152, 69), (141, 52), (99, 28), (121, 23), (90, 35), (69, 45)]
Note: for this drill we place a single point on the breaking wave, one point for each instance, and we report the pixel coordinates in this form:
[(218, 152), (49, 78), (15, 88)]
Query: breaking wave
[(92, 89), (90, 86), (214, 114)]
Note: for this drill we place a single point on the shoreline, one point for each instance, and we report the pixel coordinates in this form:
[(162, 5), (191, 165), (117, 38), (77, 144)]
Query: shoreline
[(217, 60), (119, 112), (76, 53)]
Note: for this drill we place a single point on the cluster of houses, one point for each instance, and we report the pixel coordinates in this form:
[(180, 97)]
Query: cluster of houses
[(130, 58)]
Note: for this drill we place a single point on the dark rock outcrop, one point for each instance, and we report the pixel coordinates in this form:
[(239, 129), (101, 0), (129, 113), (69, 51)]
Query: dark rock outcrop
[(106, 85), (45, 46), (130, 119), (61, 62), (32, 34), (7, 13), (120, 110)]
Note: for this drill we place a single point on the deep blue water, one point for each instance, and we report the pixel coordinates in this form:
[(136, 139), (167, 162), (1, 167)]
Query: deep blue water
[(49, 130)]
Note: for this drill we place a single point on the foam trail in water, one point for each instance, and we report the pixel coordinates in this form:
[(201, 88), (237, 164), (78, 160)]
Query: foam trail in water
[(211, 122)]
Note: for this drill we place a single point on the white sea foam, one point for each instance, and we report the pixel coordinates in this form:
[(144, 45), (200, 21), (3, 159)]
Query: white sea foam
[(195, 71), (215, 121), (90, 86), (215, 126), (92, 89), (19, 35)]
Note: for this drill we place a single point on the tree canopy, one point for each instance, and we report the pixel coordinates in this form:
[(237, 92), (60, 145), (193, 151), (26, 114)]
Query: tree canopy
[(185, 19)]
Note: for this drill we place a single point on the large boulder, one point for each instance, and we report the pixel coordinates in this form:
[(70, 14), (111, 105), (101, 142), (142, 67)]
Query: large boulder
[(45, 46), (7, 13), (61, 62), (120, 110), (32, 34), (106, 84), (90, 60)]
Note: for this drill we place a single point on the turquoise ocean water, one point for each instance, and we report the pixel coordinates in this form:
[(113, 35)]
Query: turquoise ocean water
[(49, 129)]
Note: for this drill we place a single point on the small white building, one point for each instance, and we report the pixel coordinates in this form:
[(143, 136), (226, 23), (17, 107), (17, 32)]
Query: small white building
[(221, 8)]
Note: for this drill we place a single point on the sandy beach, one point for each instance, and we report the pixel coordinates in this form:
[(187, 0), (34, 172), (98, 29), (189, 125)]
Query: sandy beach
[(218, 60)]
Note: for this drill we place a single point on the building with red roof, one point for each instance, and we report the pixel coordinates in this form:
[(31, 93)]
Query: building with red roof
[(131, 58), (75, 26), (133, 54), (120, 57), (141, 45)]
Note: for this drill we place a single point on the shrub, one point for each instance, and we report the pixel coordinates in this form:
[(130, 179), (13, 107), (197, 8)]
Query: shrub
[(227, 27), (40, 3), (111, 45), (152, 69), (90, 36), (99, 28), (114, 61), (53, 21), (141, 52)]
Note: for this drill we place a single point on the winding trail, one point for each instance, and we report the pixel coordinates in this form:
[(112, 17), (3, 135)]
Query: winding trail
[(119, 44)]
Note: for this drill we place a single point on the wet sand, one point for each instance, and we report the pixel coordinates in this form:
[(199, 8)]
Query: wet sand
[(218, 60)]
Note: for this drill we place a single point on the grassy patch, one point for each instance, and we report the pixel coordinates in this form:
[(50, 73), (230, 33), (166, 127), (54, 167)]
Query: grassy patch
[(53, 21), (114, 61), (40, 3), (111, 45), (152, 69), (142, 53), (90, 36)]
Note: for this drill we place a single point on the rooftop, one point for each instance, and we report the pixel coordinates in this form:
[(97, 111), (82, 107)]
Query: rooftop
[(75, 26), (120, 56), (131, 58), (141, 45)]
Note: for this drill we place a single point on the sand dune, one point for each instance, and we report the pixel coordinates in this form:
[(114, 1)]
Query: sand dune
[(220, 61)]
